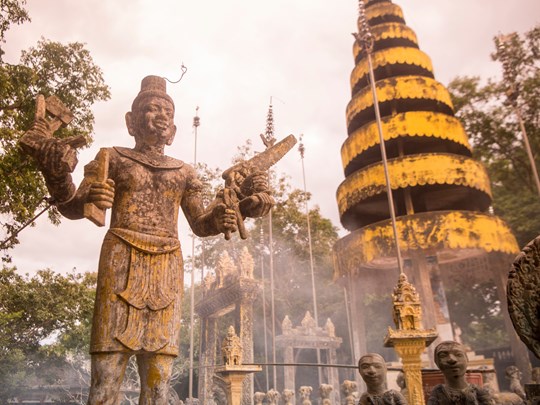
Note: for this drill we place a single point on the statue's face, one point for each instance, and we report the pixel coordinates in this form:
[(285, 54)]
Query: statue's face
[(155, 122), (373, 371), (452, 361)]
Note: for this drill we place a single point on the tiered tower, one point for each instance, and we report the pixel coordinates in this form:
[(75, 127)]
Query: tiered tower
[(441, 194)]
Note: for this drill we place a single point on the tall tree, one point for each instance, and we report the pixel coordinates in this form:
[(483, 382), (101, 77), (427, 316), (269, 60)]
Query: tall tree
[(43, 319), (488, 112), (67, 71)]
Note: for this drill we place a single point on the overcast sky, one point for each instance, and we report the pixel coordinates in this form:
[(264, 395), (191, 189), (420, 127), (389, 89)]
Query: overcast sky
[(238, 55)]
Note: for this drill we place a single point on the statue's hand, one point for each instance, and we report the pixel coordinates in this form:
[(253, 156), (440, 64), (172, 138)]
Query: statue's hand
[(225, 218), (256, 182), (56, 158), (257, 205), (101, 194), (42, 127)]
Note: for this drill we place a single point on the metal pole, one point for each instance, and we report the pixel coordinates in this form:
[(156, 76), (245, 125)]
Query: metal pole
[(510, 76), (517, 111), (302, 150), (365, 41), (264, 310), (272, 308), (268, 140), (196, 123)]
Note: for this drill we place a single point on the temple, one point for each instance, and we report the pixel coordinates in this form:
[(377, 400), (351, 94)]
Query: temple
[(441, 194)]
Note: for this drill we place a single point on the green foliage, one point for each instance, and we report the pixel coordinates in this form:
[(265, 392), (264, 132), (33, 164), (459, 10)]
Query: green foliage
[(43, 319), (11, 12), (66, 71), (489, 113), (476, 309)]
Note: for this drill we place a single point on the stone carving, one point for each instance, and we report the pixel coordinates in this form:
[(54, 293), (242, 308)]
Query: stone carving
[(535, 375), (372, 369), (231, 349), (451, 358), (330, 328), (309, 335), (308, 324), (523, 294), (246, 264), (407, 309), (287, 396), (225, 270), (305, 394), (402, 384), (258, 398), (349, 391), (273, 397), (324, 391), (513, 374), (139, 291), (286, 325)]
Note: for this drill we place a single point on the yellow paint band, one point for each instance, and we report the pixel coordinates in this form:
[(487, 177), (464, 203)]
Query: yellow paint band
[(411, 171), (435, 230), (414, 123)]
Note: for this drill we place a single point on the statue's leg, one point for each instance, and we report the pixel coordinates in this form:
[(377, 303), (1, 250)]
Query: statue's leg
[(107, 375), (155, 372)]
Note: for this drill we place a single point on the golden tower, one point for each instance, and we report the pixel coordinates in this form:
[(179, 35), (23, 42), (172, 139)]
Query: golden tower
[(441, 194)]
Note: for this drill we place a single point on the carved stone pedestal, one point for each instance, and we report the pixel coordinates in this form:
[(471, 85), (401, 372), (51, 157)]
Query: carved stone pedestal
[(232, 380), (409, 340)]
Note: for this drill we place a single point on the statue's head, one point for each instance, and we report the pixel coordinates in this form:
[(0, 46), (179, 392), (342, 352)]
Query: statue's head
[(151, 119), (451, 358), (372, 368)]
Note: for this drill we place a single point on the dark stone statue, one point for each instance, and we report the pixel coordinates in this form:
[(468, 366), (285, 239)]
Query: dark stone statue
[(140, 276), (451, 358), (372, 368)]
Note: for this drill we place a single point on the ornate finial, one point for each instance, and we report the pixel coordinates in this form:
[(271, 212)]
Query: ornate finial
[(268, 136), (196, 119), (246, 263), (301, 147), (363, 37), (407, 307)]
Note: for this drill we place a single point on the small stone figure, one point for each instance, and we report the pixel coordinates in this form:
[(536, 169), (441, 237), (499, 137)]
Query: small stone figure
[(452, 360), (372, 368), (305, 393), (513, 374), (258, 398), (535, 375), (348, 389), (325, 390), (287, 397), (402, 384), (273, 397), (231, 349)]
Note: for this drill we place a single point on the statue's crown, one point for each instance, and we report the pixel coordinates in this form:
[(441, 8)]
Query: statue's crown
[(151, 86)]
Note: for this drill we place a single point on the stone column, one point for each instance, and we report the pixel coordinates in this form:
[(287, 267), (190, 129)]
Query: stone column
[(207, 359), (333, 375), (289, 371), (244, 324)]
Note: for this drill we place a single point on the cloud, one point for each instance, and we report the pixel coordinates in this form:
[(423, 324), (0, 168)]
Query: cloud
[(239, 54)]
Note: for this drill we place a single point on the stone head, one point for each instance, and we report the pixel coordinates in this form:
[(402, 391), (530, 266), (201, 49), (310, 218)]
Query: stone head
[(372, 369), (451, 358), (151, 119)]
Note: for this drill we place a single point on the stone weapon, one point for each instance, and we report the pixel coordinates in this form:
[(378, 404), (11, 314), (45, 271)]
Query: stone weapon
[(99, 173), (58, 116), (234, 177)]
